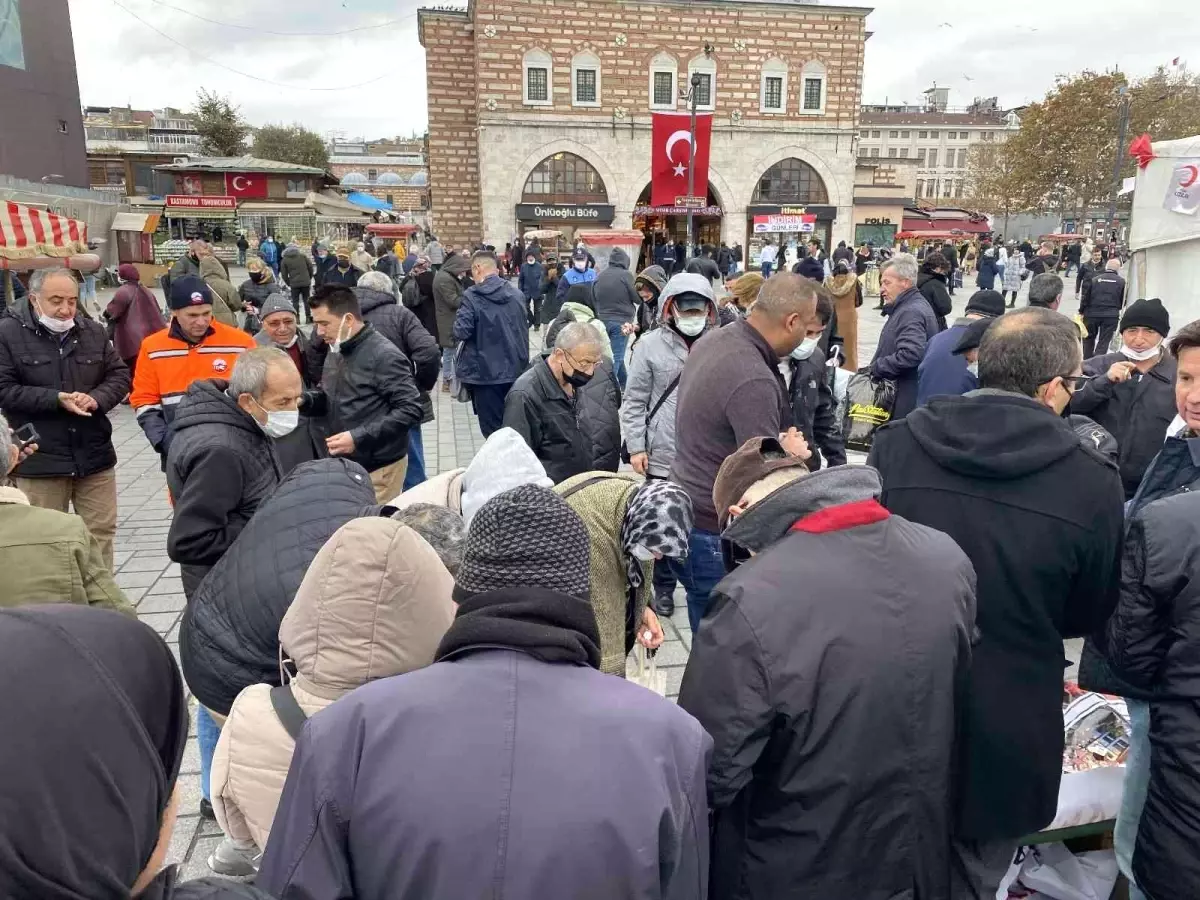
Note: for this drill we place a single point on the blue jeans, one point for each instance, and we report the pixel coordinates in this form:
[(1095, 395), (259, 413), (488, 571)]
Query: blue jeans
[(447, 364), (1137, 778), (241, 257), (415, 474), (618, 339), (700, 572), (89, 288), (207, 733), (766, 270)]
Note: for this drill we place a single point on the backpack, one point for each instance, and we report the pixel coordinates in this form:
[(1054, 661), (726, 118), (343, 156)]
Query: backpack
[(410, 294)]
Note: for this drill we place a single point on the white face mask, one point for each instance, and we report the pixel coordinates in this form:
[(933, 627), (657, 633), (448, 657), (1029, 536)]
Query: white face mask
[(640, 552), (280, 422), (336, 345), (53, 325), (580, 265), (691, 325), (1140, 355), (806, 348), (973, 368)]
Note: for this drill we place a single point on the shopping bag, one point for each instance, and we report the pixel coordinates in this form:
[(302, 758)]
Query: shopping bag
[(459, 390), (1054, 873), (649, 676), (869, 405), (1078, 320)]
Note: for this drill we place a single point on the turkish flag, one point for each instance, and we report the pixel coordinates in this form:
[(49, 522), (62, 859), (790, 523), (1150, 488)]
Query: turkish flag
[(669, 156), (251, 185)]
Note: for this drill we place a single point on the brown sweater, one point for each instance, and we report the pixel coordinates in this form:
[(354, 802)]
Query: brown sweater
[(731, 391)]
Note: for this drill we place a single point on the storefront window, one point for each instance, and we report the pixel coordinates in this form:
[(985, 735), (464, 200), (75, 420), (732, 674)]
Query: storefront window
[(564, 178), (790, 181)]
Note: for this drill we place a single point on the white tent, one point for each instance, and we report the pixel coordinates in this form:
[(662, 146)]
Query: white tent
[(1166, 244)]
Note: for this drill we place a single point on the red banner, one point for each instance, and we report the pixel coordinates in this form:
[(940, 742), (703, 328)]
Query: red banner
[(669, 157), (249, 186)]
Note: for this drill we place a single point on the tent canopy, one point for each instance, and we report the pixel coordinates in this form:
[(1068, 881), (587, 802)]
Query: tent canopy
[(1153, 225), (27, 232), (368, 202)]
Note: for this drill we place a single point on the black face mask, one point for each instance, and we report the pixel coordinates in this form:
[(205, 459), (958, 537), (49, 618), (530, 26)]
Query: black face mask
[(256, 277), (577, 379)]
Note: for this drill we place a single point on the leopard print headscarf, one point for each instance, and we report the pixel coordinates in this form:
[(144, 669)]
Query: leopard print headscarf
[(660, 519)]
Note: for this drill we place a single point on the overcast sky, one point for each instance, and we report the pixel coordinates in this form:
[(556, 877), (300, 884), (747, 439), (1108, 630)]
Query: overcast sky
[(1013, 50)]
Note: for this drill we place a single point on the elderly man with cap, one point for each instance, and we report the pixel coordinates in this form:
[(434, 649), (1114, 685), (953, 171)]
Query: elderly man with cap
[(192, 347), (943, 371), (794, 690), (1131, 393), (516, 690), (342, 272)]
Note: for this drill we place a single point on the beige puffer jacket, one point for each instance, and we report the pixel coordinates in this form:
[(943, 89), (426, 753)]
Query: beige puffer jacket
[(374, 603)]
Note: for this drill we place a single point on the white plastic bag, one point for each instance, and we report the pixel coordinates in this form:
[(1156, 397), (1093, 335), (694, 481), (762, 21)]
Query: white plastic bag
[(1053, 872), (649, 677)]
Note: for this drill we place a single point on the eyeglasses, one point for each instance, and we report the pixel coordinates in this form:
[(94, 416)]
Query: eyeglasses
[(1074, 383)]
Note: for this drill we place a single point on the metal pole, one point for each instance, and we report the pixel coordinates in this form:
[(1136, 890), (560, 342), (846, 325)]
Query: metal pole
[(1123, 124), (691, 161)]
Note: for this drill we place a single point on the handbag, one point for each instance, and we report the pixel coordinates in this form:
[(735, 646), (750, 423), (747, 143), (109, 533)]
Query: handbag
[(870, 403), (287, 710), (459, 390), (653, 410)]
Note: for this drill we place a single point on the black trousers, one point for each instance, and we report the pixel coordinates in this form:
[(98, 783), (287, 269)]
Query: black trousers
[(300, 301), (1100, 333), (664, 577), (533, 309), (488, 402)]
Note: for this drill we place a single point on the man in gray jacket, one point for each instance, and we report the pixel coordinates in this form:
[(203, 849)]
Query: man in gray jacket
[(616, 306)]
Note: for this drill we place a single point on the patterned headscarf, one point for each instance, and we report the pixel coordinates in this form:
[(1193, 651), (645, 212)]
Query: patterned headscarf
[(659, 518)]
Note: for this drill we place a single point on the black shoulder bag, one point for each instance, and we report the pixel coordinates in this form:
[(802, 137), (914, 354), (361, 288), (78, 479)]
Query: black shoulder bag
[(653, 410), (290, 715)]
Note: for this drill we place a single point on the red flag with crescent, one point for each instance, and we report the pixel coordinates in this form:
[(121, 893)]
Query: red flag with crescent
[(247, 185), (670, 137)]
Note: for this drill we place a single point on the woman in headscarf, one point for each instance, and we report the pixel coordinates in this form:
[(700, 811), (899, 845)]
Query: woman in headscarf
[(132, 314), (96, 725), (631, 525)]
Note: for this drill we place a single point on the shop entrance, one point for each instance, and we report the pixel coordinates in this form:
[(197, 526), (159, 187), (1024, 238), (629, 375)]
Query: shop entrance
[(563, 193), (790, 207), (662, 224)]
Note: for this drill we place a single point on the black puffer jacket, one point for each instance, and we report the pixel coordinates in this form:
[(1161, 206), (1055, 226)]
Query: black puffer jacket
[(35, 366), (229, 638), (220, 467), (598, 412), (1153, 641), (1135, 412), (539, 410), (401, 326), (1103, 296), (369, 391), (256, 293), (932, 286)]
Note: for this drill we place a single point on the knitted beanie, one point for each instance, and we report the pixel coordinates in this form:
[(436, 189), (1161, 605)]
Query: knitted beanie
[(525, 537), (277, 301), (1147, 314)]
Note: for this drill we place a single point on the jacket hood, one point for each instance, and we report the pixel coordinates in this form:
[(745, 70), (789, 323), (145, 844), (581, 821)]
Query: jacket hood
[(22, 311), (206, 403), (991, 434), (289, 250), (929, 275), (687, 283), (455, 265), (841, 285), (504, 461), (582, 294), (211, 266), (495, 289), (618, 258), (769, 520), (810, 267), (370, 299), (654, 276), (581, 312), (375, 602)]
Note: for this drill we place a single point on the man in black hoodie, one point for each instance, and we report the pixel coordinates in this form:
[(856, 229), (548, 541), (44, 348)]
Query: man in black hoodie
[(1040, 515), (616, 306)]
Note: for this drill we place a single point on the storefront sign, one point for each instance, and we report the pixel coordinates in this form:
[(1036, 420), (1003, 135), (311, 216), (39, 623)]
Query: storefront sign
[(823, 213), (781, 224), (186, 201), (599, 213), (692, 202), (676, 211), (881, 221)]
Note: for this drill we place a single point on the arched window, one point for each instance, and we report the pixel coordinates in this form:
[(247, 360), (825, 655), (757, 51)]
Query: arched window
[(538, 75), (773, 91), (706, 90), (664, 72), (564, 178), (790, 181), (812, 89), (585, 79)]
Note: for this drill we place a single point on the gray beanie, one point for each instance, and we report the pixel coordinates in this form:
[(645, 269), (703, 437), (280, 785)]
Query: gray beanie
[(525, 537), (277, 301)]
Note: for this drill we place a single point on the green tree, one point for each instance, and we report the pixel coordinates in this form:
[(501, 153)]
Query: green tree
[(290, 143), (220, 124), (996, 182)]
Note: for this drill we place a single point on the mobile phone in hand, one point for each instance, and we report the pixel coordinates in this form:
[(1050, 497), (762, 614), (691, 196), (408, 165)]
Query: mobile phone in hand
[(24, 436)]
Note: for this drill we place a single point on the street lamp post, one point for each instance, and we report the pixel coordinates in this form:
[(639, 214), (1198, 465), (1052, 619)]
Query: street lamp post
[(692, 95), (1122, 126)]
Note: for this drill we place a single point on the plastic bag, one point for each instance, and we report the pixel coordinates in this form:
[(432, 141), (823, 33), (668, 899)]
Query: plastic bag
[(1053, 872), (651, 677), (253, 323), (869, 405), (459, 390)]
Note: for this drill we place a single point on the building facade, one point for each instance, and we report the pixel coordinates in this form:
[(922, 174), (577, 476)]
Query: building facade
[(540, 115), (937, 136), (883, 189), (392, 171), (41, 137), (124, 147)]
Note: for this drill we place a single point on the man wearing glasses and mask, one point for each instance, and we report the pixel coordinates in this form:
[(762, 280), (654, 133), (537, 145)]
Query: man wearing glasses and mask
[(1039, 514)]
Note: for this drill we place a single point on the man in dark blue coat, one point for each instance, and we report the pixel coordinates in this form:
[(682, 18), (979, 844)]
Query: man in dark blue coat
[(492, 326), (910, 324), (943, 371)]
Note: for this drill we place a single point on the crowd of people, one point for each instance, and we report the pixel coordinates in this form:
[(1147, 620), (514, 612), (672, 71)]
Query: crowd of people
[(398, 676)]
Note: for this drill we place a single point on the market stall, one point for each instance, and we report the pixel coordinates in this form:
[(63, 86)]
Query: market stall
[(32, 238), (391, 233), (192, 216), (601, 243)]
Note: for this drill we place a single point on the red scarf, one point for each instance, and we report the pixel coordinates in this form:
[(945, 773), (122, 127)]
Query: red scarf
[(839, 518)]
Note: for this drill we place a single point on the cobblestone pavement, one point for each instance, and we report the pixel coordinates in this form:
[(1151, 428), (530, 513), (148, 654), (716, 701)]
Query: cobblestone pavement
[(152, 581)]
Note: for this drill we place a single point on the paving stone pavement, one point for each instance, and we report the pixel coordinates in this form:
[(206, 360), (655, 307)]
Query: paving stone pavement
[(152, 582)]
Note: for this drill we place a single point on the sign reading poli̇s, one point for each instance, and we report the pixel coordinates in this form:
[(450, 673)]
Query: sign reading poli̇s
[(784, 224), (1183, 190)]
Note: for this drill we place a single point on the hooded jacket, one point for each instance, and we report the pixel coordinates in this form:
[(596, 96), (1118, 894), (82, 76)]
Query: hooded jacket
[(648, 310), (579, 307), (401, 326), (375, 602), (659, 360), (906, 333), (133, 314), (226, 301), (985, 278), (492, 322), (229, 635), (447, 297), (1135, 412), (35, 366), (616, 298), (1039, 514), (932, 286), (794, 692), (296, 267), (530, 281), (220, 468)]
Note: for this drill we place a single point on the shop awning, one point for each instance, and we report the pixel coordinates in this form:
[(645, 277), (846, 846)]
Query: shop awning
[(966, 226), (26, 232), (208, 215), (677, 211), (367, 201), (144, 223), (275, 210)]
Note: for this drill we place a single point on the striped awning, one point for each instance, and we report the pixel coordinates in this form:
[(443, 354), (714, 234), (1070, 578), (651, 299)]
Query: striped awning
[(146, 223), (26, 232)]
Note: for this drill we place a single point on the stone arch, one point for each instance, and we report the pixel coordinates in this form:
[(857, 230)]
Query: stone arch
[(807, 156), (561, 145)]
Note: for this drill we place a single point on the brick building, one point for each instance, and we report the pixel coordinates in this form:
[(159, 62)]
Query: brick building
[(540, 113)]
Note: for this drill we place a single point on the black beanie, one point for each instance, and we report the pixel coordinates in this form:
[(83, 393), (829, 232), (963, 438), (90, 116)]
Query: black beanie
[(1147, 314)]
